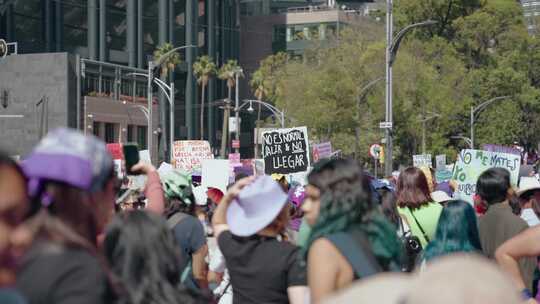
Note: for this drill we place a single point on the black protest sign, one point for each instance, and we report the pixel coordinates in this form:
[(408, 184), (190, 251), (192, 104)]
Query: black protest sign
[(285, 151)]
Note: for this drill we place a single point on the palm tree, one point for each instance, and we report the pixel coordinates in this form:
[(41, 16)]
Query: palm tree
[(167, 65), (260, 90), (170, 62), (203, 68), (228, 72)]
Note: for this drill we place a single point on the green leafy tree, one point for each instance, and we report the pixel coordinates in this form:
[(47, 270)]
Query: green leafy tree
[(264, 84), (204, 68)]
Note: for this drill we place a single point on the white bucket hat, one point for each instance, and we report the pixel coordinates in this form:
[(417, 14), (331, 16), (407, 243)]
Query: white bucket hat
[(527, 184), (440, 197)]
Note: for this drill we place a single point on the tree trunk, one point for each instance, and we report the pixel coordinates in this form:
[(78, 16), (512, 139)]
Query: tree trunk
[(257, 130), (202, 110), (225, 131)]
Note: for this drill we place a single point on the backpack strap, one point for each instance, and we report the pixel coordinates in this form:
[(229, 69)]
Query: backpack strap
[(419, 226), (176, 219), (356, 250)]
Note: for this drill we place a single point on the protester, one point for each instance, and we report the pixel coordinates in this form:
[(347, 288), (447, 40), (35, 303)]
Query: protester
[(14, 206), (350, 237), (388, 202), (188, 230), (219, 274), (416, 206), (457, 231), (131, 200), (72, 186), (440, 197), (144, 256), (248, 224), (529, 196), (499, 224), (525, 245), (297, 194), (461, 278)]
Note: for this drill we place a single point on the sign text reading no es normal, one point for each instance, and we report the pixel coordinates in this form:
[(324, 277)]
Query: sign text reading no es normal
[(286, 151)]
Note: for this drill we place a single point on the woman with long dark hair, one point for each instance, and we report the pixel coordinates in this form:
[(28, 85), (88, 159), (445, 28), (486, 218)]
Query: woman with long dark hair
[(144, 256), (415, 205), (349, 233), (457, 231)]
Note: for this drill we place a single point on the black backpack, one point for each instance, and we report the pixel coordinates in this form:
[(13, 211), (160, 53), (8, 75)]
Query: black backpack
[(411, 244)]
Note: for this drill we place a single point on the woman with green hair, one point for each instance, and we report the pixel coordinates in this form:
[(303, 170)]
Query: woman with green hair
[(350, 237), (457, 231)]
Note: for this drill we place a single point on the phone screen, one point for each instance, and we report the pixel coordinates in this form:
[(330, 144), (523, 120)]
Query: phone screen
[(131, 155)]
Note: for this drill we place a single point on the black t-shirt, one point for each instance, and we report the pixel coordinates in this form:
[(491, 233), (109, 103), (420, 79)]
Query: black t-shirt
[(261, 268), (52, 273)]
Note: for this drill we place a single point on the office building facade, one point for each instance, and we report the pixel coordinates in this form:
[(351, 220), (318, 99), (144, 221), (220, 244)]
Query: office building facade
[(108, 35)]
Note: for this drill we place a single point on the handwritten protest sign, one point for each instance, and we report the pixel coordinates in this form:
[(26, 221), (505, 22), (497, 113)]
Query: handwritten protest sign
[(189, 154), (322, 150), (215, 174), (472, 163), (440, 162), (501, 149), (285, 151), (422, 160)]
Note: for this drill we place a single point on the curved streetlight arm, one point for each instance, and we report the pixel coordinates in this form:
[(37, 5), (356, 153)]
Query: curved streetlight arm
[(166, 55), (273, 109), (428, 118), (466, 139), (366, 88), (399, 37), (487, 103), (144, 110), (164, 87)]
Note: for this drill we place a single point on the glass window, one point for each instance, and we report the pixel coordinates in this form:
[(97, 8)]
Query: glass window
[(141, 137), (130, 133), (75, 30), (29, 25), (96, 128), (116, 24), (110, 132)]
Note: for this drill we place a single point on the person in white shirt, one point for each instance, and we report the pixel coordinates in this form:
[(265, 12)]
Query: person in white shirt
[(529, 196)]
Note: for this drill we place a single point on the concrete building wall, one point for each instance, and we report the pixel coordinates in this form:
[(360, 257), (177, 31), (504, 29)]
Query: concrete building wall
[(27, 79)]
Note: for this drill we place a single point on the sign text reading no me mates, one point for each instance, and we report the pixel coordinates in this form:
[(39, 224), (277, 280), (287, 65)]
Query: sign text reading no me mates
[(286, 151)]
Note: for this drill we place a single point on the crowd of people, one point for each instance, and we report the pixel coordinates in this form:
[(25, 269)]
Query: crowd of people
[(71, 232)]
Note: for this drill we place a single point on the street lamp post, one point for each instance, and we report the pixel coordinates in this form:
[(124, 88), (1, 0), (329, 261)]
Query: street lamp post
[(360, 96), (168, 90), (152, 65), (275, 111), (424, 121), (474, 111), (237, 101), (392, 46)]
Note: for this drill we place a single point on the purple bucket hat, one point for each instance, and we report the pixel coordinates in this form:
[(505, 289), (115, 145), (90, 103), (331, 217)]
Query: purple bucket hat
[(69, 156), (257, 205)]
